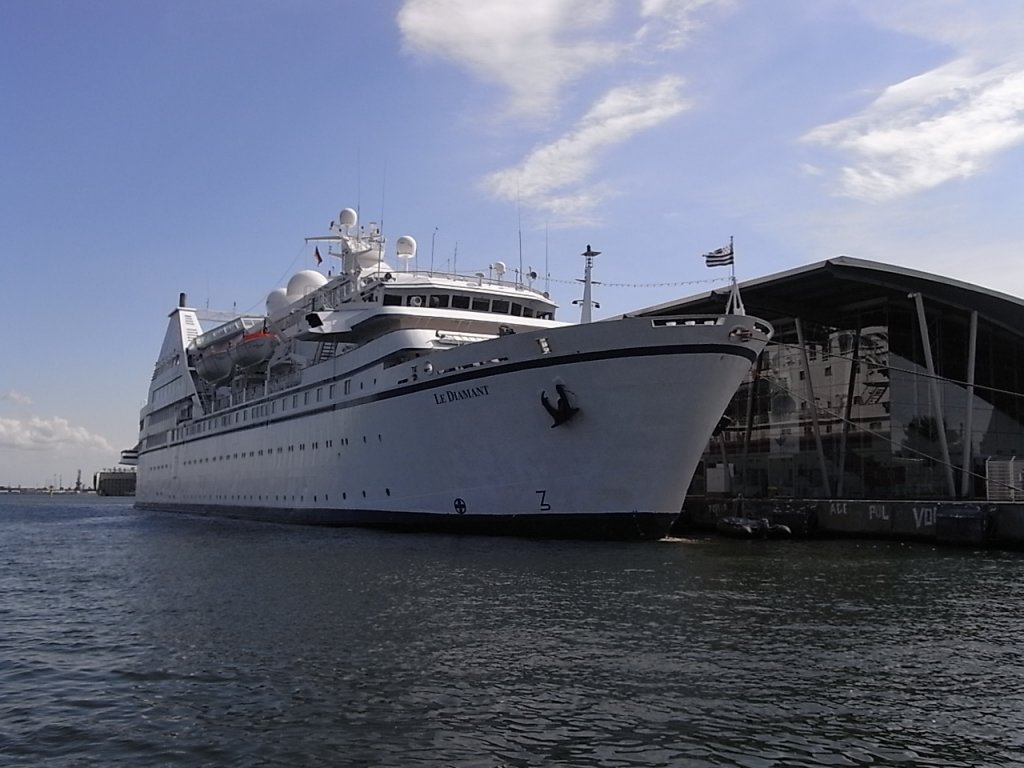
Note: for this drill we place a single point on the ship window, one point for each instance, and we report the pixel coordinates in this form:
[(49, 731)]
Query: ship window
[(460, 302), (330, 391), (499, 305), (392, 300), (481, 305), (517, 309), (417, 301), (439, 301), (527, 312), (305, 398), (348, 386)]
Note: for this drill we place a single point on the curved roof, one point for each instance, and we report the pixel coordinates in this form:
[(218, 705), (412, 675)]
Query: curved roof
[(843, 284)]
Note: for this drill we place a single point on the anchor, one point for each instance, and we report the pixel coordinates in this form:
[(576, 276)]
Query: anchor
[(563, 410)]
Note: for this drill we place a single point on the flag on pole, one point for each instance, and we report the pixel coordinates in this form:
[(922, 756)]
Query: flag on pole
[(720, 257), (317, 256)]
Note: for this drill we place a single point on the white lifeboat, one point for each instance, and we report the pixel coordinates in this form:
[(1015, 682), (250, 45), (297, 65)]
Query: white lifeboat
[(253, 348), (214, 363)]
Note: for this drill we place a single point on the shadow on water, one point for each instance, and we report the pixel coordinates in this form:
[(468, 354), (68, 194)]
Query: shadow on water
[(139, 638)]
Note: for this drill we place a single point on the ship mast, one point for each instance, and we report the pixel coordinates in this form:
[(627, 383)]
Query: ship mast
[(586, 304)]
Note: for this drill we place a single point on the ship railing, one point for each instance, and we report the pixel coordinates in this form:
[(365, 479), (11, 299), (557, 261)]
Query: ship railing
[(481, 278), (673, 320), (283, 381), (458, 339)]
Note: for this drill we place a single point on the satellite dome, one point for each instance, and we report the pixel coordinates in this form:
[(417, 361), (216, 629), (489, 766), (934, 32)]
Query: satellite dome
[(348, 217), (405, 247), (303, 283), (277, 300)]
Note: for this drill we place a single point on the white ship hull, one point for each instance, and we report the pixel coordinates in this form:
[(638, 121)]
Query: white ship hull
[(423, 446)]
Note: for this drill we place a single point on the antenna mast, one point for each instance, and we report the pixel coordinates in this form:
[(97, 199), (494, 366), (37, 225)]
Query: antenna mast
[(587, 303)]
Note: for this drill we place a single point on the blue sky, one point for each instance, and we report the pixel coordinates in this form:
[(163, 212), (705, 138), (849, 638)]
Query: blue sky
[(152, 148)]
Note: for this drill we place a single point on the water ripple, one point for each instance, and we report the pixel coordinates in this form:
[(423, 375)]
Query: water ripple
[(135, 639)]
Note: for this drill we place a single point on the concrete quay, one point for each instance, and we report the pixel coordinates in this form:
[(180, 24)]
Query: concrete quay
[(998, 525)]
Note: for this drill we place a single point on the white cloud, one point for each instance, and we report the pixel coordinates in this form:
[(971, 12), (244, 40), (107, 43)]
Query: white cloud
[(536, 48), (669, 24), (549, 175), (17, 397), (532, 47), (945, 124), (42, 434), (989, 30)]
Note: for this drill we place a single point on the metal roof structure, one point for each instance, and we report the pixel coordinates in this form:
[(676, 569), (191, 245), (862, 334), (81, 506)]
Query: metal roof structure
[(844, 284)]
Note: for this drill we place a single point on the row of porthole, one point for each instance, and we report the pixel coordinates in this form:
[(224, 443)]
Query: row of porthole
[(269, 452), (259, 497)]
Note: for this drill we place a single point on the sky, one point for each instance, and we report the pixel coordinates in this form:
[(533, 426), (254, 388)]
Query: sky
[(155, 148)]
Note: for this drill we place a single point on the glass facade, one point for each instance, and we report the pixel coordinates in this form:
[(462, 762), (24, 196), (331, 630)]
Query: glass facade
[(852, 412)]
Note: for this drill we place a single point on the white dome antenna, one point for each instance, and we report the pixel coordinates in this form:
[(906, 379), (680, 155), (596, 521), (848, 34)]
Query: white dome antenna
[(348, 217), (499, 268), (405, 247)]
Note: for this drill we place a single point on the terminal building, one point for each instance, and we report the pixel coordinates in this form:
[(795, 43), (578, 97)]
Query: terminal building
[(881, 383)]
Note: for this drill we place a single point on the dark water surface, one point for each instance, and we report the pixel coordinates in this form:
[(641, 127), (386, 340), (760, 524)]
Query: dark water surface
[(142, 639)]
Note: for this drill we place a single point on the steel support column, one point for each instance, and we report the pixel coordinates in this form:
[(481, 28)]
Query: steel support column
[(848, 410), (825, 482), (933, 384), (968, 437)]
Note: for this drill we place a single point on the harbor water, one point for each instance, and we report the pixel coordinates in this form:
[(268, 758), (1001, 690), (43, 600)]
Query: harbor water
[(131, 639)]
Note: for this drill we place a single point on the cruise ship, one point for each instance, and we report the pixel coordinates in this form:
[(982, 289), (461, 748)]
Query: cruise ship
[(390, 397)]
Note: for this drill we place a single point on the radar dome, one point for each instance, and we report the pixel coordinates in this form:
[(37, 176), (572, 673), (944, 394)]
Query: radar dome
[(277, 300), (304, 283), (406, 247), (348, 217), (499, 268)]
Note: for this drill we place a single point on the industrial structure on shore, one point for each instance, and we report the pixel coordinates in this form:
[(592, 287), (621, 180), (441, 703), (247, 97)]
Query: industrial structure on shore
[(888, 402)]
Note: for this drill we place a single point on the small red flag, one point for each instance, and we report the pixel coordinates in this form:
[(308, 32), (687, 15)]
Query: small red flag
[(319, 259)]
